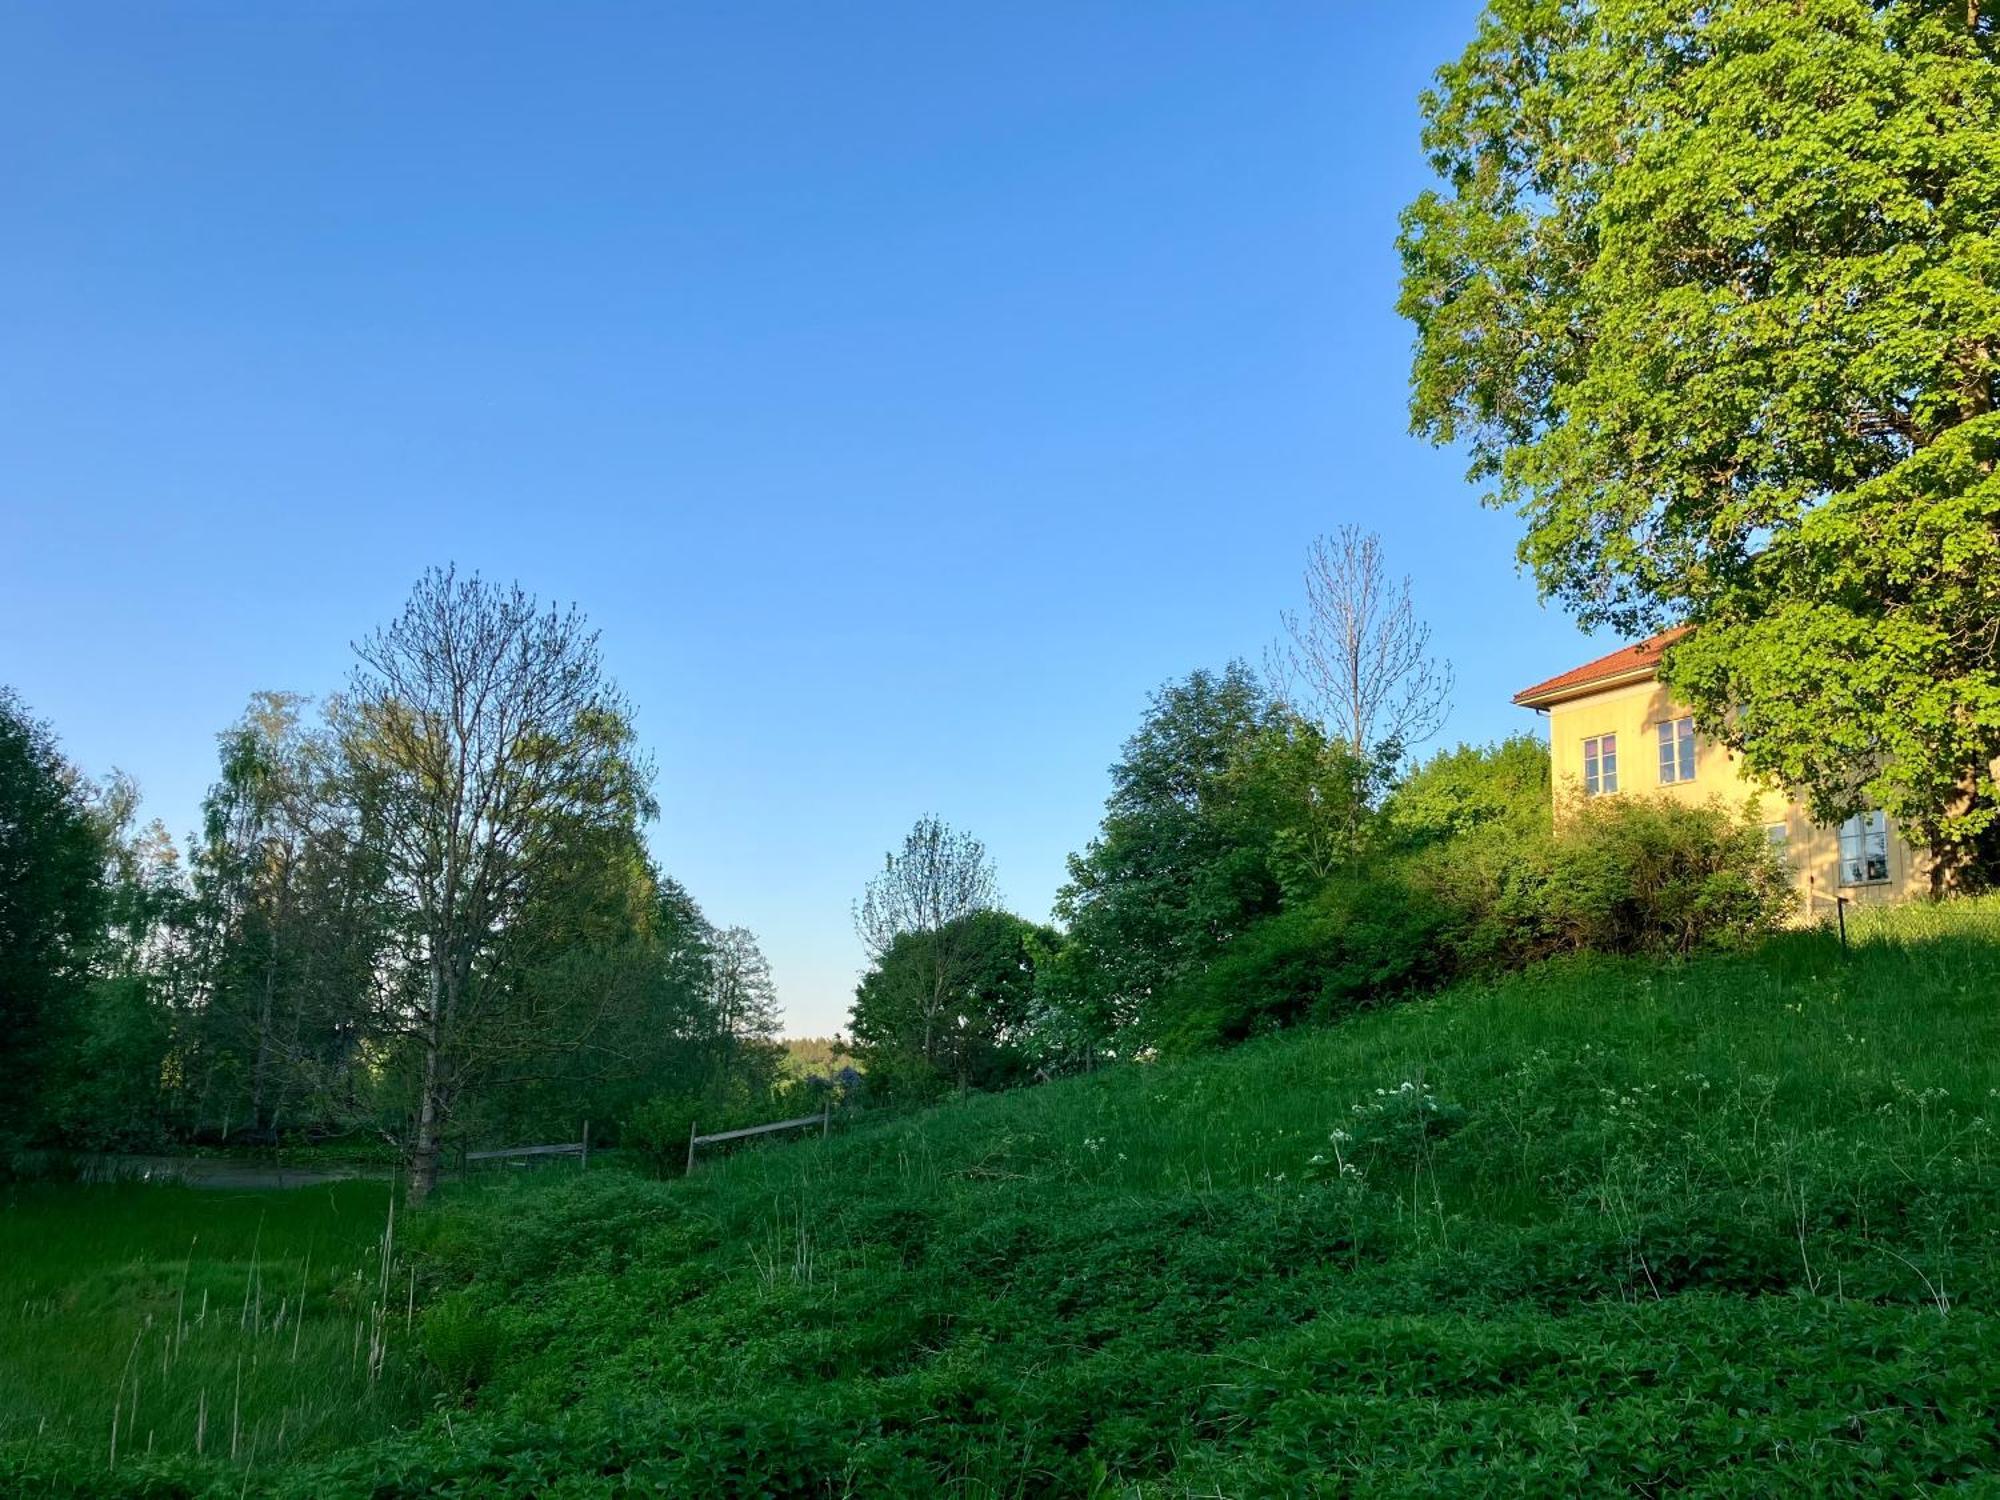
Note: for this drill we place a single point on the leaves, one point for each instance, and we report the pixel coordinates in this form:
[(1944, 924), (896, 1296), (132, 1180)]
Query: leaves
[(1713, 296)]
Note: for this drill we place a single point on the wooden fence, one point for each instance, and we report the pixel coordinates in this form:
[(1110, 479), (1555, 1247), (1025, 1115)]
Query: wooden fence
[(579, 1149), (824, 1119)]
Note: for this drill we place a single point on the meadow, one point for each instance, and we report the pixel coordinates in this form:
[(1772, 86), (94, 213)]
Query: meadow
[(1727, 1226), (145, 1324)]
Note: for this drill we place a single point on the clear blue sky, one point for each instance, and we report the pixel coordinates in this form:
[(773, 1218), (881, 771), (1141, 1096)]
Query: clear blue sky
[(904, 389)]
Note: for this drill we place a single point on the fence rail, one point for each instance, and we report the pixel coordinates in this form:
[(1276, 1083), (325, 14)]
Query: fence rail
[(580, 1149), (824, 1119)]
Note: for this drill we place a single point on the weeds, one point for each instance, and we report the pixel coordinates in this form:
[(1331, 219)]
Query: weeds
[(117, 1331)]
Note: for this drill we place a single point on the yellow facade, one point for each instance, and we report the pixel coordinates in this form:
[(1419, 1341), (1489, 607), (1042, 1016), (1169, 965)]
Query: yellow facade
[(1630, 708)]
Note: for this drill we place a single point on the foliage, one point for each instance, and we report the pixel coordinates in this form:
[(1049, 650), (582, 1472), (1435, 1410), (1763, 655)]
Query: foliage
[(1620, 875), (1463, 873), (1224, 806), (927, 892), (1725, 1226), (983, 1041), (462, 1341), (1361, 941), (52, 907), (1712, 293), (657, 1131), (307, 978), (1458, 790)]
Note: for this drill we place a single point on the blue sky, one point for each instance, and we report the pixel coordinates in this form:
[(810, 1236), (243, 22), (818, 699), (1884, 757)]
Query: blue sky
[(905, 390)]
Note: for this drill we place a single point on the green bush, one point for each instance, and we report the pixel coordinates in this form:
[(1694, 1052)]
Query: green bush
[(1621, 875), (1473, 786), (1361, 940), (1651, 875), (657, 1131)]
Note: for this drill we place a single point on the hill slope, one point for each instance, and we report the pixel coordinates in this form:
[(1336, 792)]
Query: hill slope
[(1732, 1226)]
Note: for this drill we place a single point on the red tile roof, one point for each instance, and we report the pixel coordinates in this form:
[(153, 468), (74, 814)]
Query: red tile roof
[(1626, 661)]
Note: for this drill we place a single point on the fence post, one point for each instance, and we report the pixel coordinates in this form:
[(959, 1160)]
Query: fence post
[(586, 1146), (690, 1165), (1840, 911), (825, 1115)]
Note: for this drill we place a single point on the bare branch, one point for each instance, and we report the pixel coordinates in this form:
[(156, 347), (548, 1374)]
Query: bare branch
[(1357, 659)]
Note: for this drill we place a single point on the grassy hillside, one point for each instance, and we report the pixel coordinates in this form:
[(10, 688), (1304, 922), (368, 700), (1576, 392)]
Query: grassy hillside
[(1729, 1227)]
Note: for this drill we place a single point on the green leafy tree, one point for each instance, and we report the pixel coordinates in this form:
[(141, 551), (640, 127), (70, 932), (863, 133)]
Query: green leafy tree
[(291, 927), (1469, 787), (1224, 806), (52, 912), (745, 996), (938, 878), (1712, 294), (983, 1040), (485, 730)]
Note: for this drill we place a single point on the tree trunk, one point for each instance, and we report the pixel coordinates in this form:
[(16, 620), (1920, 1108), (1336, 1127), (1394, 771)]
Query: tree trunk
[(428, 1146)]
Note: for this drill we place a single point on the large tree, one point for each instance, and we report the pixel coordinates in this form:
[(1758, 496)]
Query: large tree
[(988, 1011), (744, 996), (937, 879), (485, 730), (291, 928), (1712, 293), (1224, 805), (52, 911)]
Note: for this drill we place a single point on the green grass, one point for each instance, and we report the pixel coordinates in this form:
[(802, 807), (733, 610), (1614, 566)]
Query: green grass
[(1731, 1227), (251, 1329)]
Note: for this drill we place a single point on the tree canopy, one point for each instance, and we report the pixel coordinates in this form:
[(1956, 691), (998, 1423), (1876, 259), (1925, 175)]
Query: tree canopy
[(1712, 295), (52, 907)]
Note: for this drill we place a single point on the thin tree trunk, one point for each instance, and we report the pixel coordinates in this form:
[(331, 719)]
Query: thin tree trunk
[(425, 1151), (427, 1148)]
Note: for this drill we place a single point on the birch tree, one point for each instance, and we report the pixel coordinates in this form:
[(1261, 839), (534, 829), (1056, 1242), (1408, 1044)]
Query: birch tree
[(483, 729)]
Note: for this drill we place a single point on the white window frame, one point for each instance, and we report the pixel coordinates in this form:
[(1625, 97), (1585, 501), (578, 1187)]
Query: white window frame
[(1864, 849), (1677, 757), (1600, 765)]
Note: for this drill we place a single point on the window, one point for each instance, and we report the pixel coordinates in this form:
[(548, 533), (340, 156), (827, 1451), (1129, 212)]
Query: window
[(1864, 849), (1600, 765), (1676, 751)]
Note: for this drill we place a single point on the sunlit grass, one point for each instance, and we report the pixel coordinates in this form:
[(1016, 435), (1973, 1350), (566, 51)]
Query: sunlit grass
[(1726, 1226)]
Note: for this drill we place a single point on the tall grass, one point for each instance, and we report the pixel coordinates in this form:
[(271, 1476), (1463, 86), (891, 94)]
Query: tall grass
[(141, 1325)]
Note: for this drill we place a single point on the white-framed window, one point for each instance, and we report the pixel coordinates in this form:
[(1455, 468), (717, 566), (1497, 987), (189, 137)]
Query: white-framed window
[(1676, 751), (1864, 849), (1600, 764)]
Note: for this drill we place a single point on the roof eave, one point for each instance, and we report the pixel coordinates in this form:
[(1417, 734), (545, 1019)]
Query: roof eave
[(1548, 697)]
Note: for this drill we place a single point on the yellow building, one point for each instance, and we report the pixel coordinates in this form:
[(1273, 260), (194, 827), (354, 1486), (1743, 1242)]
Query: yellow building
[(1614, 731)]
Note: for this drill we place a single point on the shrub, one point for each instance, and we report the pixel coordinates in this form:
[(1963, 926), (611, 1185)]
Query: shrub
[(1650, 875), (1621, 875), (657, 1131), (1362, 939)]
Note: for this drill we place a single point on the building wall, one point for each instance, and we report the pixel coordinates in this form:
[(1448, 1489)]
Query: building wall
[(1634, 711)]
